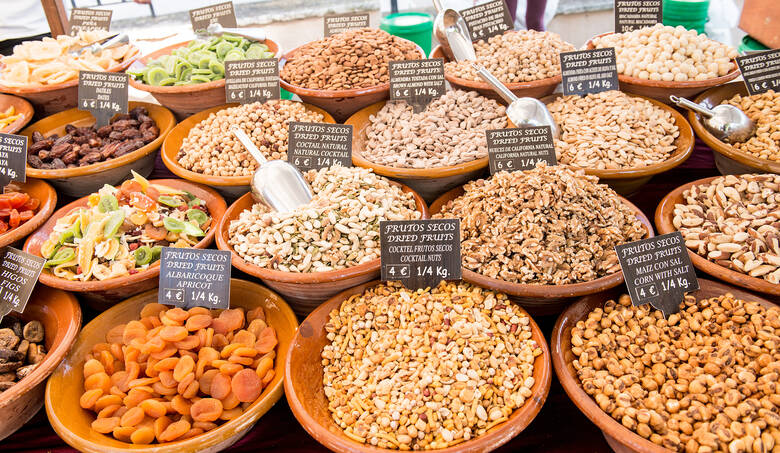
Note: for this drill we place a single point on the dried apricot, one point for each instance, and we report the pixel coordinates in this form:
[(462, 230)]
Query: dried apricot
[(93, 366), (191, 342), (266, 341), (105, 401), (123, 433), (206, 379), (206, 410), (245, 338), (177, 314), (166, 379), (198, 322), (134, 330), (160, 425), (205, 426), (199, 311), (105, 425), (132, 417), (174, 431), (153, 309), (173, 333), (263, 367), (230, 401), (153, 408), (191, 433), (247, 385), (220, 386), (184, 367), (181, 405), (269, 376), (255, 313), (116, 334), (108, 411), (231, 414), (142, 436), (89, 398)]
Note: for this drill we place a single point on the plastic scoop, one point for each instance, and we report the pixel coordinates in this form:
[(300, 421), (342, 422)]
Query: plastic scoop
[(254, 34), (277, 183), (726, 122), (522, 111), (107, 43)]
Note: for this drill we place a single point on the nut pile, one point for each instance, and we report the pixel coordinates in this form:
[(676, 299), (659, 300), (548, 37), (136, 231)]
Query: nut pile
[(764, 110), (21, 350), (175, 374), (87, 145), (353, 59), (733, 221), (425, 370), (662, 52), (515, 56), (448, 132), (550, 225), (339, 228), (612, 130), (212, 149), (703, 381)]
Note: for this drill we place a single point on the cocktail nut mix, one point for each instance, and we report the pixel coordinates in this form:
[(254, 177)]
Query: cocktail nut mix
[(764, 110)]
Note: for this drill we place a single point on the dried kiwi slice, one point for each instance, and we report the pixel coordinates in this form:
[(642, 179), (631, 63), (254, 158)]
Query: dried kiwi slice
[(142, 255), (63, 255), (113, 223)]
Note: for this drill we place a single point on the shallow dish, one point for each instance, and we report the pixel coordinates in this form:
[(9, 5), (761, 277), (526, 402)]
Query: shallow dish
[(66, 385), (103, 293), (303, 291), (36, 189), (661, 90), (60, 315), (428, 182), (80, 181), (186, 100), (339, 103), (541, 300), (627, 181), (728, 160), (532, 89), (620, 438), (230, 187), (664, 215), (305, 394), (21, 106)]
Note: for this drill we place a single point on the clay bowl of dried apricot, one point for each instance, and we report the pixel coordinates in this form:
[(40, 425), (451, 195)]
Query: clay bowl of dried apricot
[(208, 376)]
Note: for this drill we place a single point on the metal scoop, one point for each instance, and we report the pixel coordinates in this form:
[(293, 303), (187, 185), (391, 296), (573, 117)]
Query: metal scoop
[(277, 183), (726, 122), (255, 34), (522, 111), (450, 19), (98, 47)]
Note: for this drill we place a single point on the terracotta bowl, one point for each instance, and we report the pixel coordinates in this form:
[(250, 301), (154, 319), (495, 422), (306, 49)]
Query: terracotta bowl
[(36, 189), (80, 181), (304, 291), (533, 89), (627, 181), (339, 103), (542, 300), (620, 438), (305, 394), (60, 315), (230, 187), (185, 100), (21, 106), (661, 90), (664, 215), (728, 160), (104, 293), (50, 99), (66, 385), (428, 182)]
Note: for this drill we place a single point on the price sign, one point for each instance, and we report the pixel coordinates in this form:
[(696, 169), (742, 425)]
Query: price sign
[(488, 19), (633, 14), (13, 158), (520, 148), (19, 272), (420, 253), (194, 278), (319, 145), (221, 13), (589, 71), (248, 81), (417, 82), (761, 71), (339, 23), (104, 94), (87, 19), (658, 271)]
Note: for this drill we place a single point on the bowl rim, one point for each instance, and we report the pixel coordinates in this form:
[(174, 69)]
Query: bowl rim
[(273, 395), (402, 172), (538, 291), (708, 83), (168, 153), (24, 107), (183, 88), (45, 210), (146, 274), (587, 405), (93, 169), (304, 278), (494, 438), (677, 158), (732, 88), (61, 343), (348, 93), (36, 89), (664, 214)]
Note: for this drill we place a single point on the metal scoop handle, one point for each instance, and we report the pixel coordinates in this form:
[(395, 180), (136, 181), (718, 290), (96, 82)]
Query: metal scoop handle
[(499, 87), (248, 144), (112, 41), (437, 5), (255, 34), (690, 105)]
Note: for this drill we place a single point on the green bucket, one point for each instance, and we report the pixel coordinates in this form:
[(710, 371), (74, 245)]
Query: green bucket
[(416, 27), (750, 45), (685, 11)]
